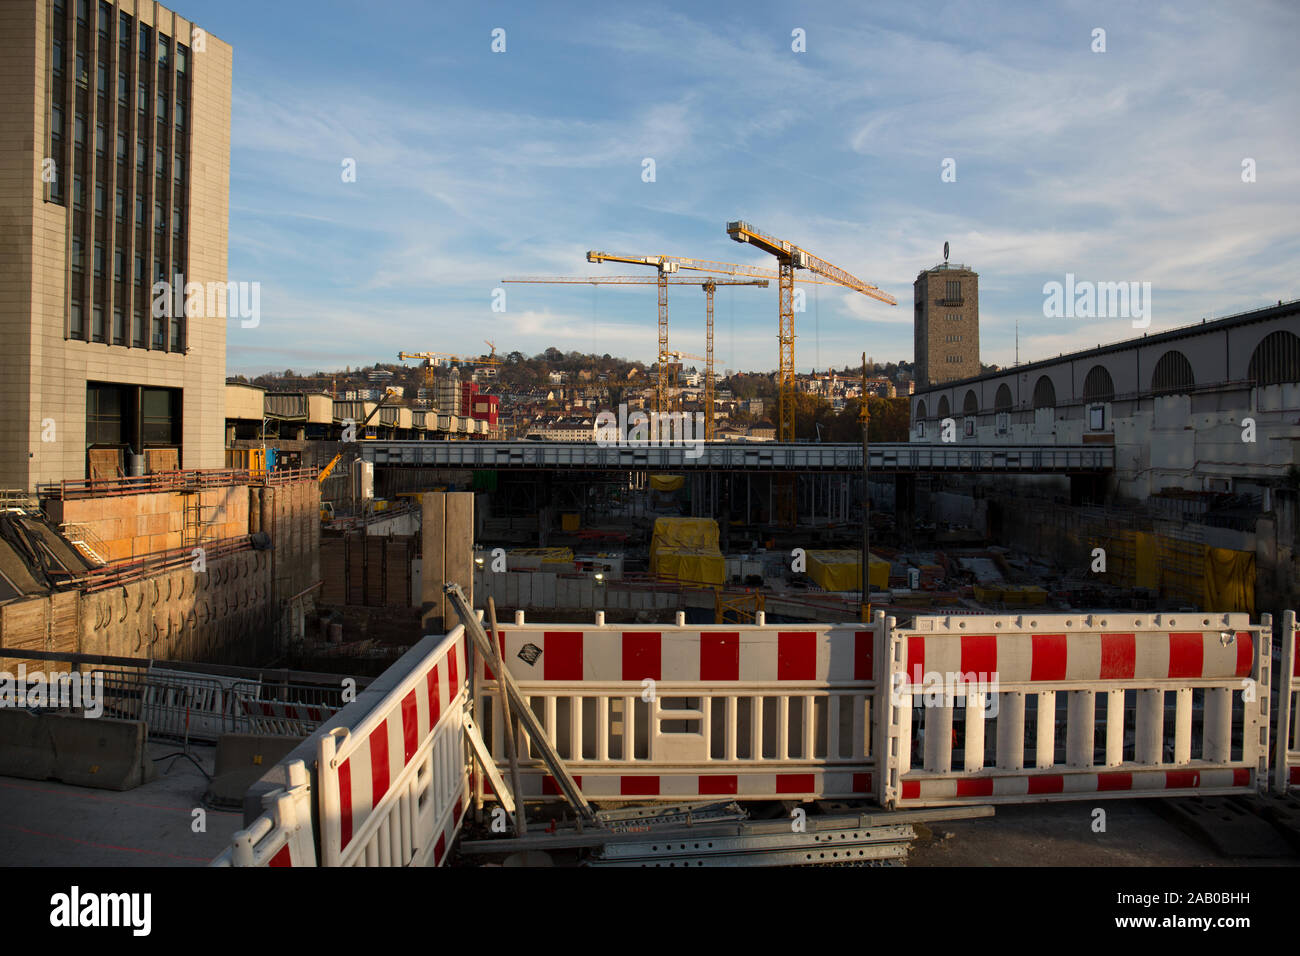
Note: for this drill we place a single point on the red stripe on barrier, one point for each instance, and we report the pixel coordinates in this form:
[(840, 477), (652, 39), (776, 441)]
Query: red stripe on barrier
[(551, 788), (1046, 783), (1182, 779), (457, 810), (642, 656), (314, 713), (796, 655), (1295, 776), (562, 655), (439, 848), (862, 783), (979, 655), (863, 650), (1186, 655), (977, 787), (647, 786), (267, 711), (1241, 777), (796, 782), (911, 789), (282, 857), (378, 763), (345, 804), (1245, 654), (291, 711), (720, 656), (1048, 657), (916, 659), (431, 688), (410, 728), (1114, 781), (452, 675), (1118, 656), (718, 784)]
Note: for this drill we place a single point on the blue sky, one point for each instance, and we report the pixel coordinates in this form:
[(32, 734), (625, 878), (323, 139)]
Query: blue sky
[(472, 165)]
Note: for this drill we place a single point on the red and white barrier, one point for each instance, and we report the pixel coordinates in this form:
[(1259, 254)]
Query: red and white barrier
[(675, 713), (1286, 760), (282, 836), (1106, 680), (283, 718), (393, 789)]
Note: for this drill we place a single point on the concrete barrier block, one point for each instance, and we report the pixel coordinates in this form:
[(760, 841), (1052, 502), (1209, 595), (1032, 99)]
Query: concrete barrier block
[(25, 748), (241, 761), (102, 752)]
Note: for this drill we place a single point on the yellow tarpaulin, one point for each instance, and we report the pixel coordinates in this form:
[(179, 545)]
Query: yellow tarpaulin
[(691, 565), (1229, 582), (1148, 568), (666, 482), (686, 549), (842, 570)]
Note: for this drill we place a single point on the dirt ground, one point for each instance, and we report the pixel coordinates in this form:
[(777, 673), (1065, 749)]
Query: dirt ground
[(1061, 834)]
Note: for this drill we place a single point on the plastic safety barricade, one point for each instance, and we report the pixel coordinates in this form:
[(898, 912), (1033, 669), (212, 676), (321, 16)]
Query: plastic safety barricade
[(676, 713), (1081, 706), (282, 836), (1286, 760), (392, 790)]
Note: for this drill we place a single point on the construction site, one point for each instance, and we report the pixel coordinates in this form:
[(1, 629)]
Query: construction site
[(385, 636)]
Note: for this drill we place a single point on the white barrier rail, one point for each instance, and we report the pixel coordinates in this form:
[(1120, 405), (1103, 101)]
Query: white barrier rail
[(1286, 759), (282, 836), (642, 713), (1159, 705), (392, 790)]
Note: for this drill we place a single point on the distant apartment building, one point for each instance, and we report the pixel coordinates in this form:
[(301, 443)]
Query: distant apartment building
[(946, 331), (114, 175)]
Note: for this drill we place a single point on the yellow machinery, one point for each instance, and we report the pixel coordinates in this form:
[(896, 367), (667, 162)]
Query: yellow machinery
[(361, 428), (431, 357)]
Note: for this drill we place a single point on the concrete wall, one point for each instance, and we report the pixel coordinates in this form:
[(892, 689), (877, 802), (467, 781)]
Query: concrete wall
[(134, 525)]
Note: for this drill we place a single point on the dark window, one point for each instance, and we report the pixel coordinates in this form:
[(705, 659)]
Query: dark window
[(120, 206), (76, 325), (119, 328), (1098, 386), (139, 210), (1172, 374), (119, 262), (1044, 393), (56, 58), (104, 418), (100, 199), (97, 328), (160, 416), (1276, 360)]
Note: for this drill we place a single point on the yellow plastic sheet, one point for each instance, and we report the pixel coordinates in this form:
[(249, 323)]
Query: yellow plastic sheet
[(842, 570), (686, 549), (666, 482), (690, 566), (1229, 581)]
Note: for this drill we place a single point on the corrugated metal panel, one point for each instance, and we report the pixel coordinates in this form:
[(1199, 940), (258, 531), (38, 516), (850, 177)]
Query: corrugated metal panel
[(286, 405)]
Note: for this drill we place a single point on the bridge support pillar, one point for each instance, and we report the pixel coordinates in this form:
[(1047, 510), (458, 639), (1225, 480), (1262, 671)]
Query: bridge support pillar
[(447, 529)]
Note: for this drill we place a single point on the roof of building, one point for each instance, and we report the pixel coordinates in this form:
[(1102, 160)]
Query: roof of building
[(1203, 327)]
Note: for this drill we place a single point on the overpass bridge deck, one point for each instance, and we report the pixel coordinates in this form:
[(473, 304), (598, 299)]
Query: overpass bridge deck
[(886, 458)]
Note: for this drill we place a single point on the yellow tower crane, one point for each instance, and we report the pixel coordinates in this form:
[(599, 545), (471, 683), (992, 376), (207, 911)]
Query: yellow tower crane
[(708, 283), (790, 257), (671, 264)]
